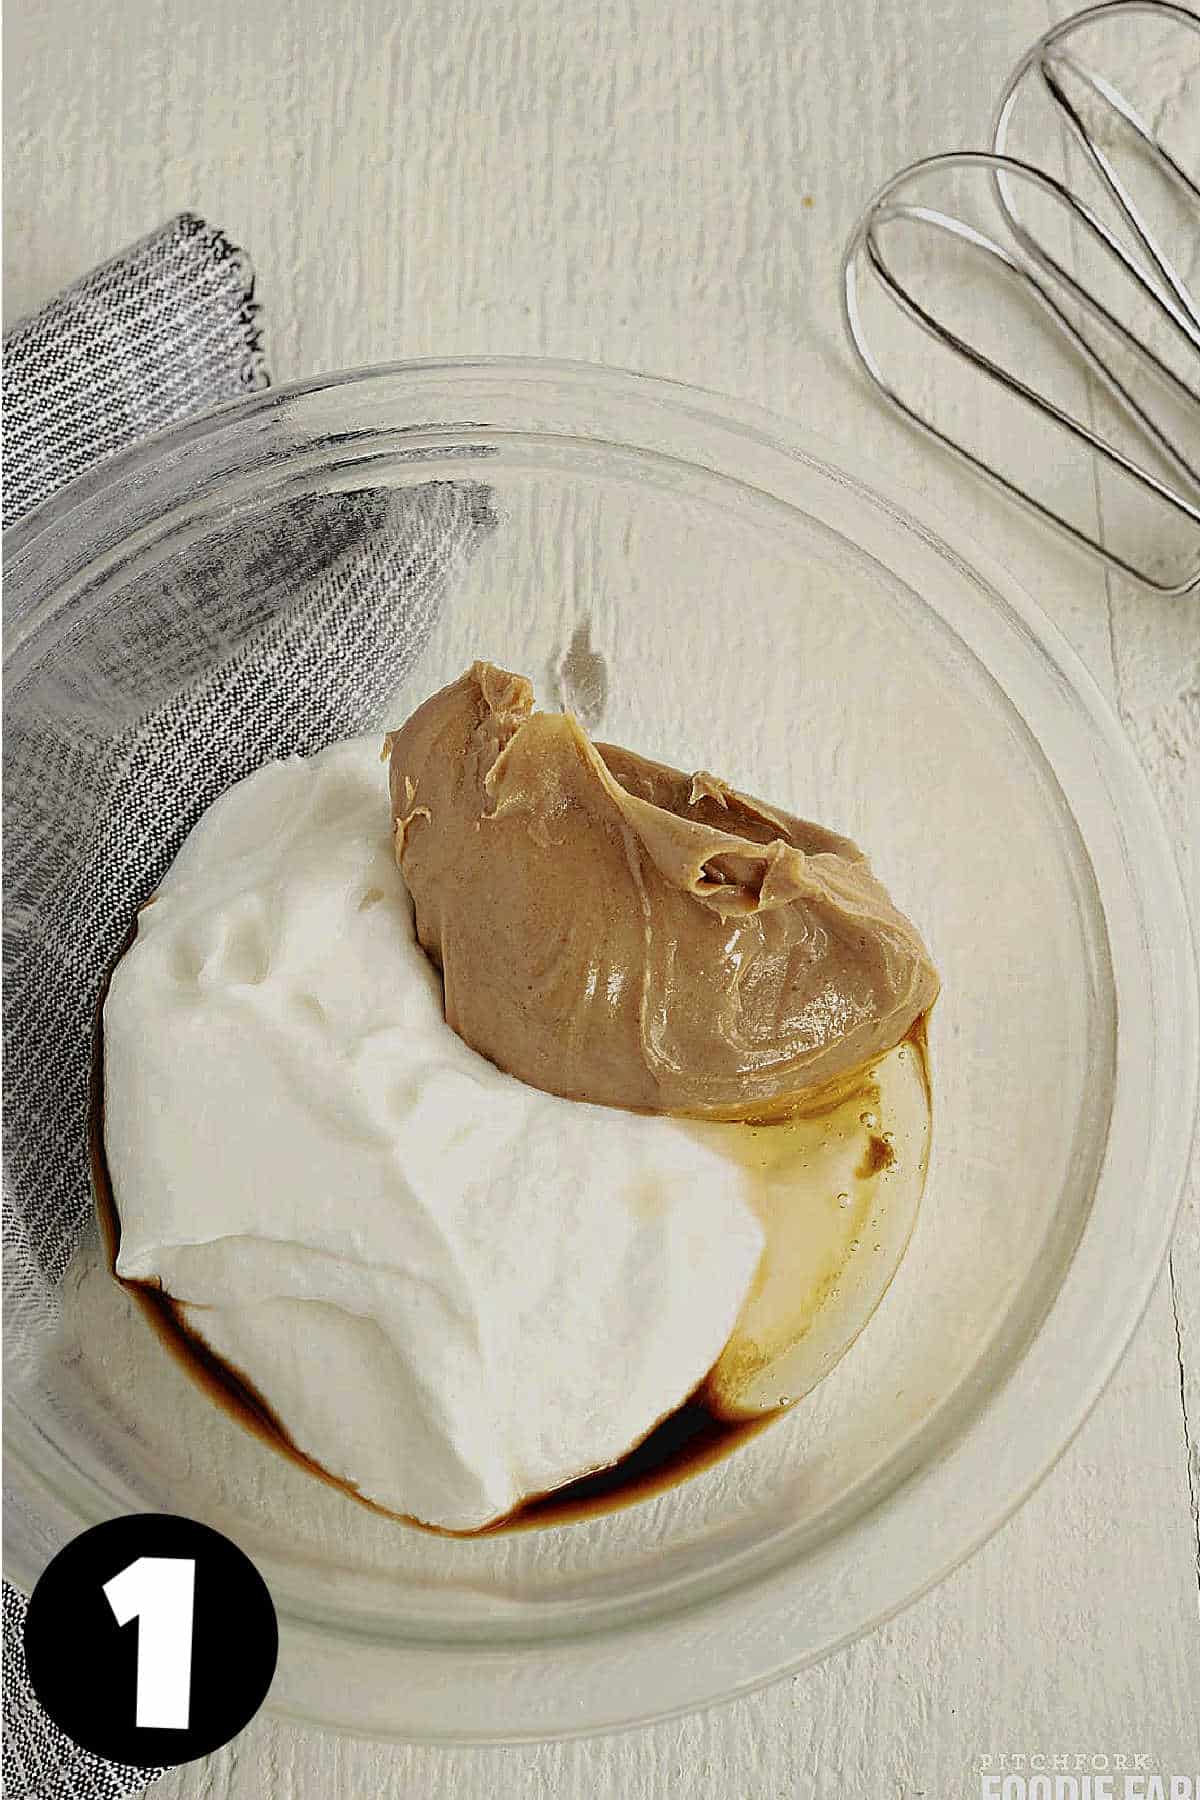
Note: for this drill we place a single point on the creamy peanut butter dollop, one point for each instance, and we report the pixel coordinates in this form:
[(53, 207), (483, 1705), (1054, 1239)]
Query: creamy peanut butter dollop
[(613, 930)]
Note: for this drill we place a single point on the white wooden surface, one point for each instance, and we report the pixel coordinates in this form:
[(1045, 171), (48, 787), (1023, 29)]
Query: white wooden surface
[(663, 184)]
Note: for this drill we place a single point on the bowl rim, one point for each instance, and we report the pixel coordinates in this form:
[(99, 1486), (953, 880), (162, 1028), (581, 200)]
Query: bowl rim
[(615, 1678)]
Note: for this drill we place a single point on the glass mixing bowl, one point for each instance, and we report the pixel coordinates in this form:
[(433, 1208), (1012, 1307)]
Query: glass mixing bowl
[(721, 593)]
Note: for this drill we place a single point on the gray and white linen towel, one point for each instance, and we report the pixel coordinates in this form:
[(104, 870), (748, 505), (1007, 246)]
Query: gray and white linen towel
[(294, 629)]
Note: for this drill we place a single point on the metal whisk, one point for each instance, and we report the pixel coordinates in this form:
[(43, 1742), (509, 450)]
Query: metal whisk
[(1049, 283)]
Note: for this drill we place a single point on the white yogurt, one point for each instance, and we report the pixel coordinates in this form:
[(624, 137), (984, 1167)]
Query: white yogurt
[(454, 1290)]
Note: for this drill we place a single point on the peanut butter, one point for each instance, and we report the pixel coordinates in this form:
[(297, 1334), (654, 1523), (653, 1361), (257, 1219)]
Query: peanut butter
[(613, 930)]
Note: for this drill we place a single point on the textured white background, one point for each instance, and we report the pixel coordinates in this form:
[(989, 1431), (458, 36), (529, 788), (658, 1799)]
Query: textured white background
[(666, 185)]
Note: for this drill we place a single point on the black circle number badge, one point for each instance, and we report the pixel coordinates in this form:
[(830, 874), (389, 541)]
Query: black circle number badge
[(151, 1640)]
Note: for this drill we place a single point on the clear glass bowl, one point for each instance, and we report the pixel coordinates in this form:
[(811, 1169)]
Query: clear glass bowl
[(759, 610)]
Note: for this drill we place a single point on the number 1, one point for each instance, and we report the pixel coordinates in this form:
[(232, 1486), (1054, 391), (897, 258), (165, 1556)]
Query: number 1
[(159, 1592)]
